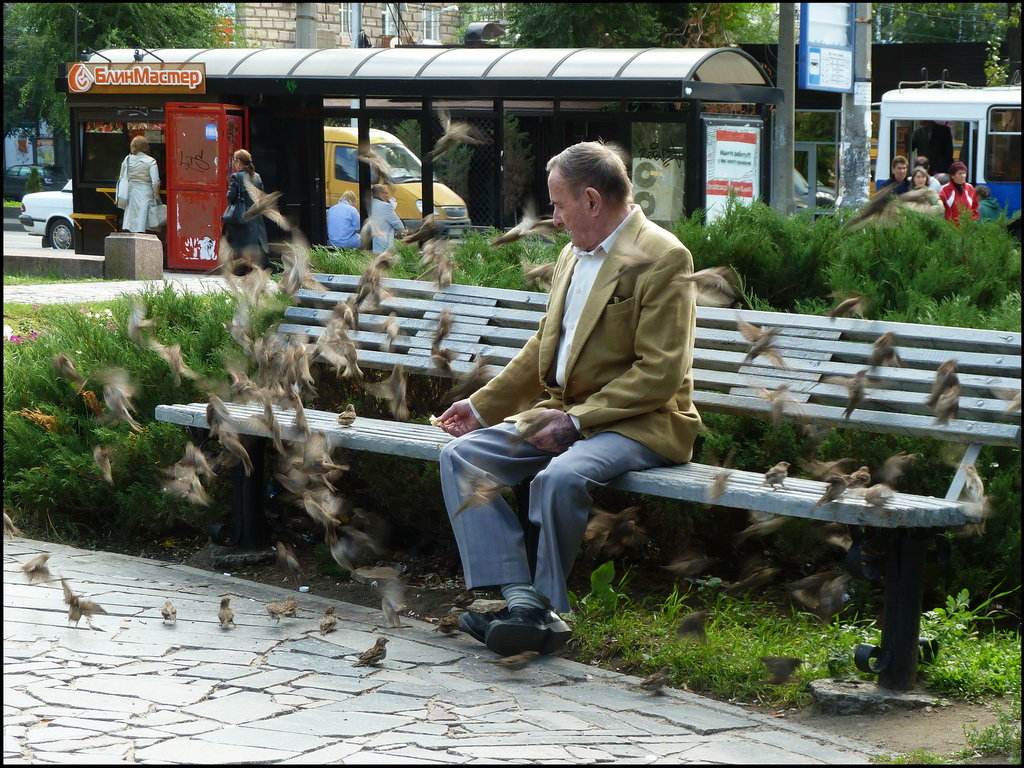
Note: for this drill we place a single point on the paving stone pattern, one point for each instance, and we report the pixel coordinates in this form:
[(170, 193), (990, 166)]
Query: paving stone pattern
[(136, 690), (107, 290)]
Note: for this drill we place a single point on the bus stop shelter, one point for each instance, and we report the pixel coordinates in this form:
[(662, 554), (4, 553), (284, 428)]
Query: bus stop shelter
[(695, 123)]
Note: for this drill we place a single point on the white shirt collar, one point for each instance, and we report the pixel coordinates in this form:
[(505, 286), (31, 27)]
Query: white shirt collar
[(605, 246)]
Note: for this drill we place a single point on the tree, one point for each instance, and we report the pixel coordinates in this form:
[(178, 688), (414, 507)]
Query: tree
[(941, 22), (638, 25), (997, 24), (39, 36)]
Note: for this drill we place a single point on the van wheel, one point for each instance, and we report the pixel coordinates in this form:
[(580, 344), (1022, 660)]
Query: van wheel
[(61, 234)]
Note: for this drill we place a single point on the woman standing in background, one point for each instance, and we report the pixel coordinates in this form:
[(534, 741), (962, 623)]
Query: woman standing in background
[(138, 186), (251, 235)]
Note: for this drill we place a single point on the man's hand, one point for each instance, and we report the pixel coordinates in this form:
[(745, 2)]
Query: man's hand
[(557, 435), (458, 419)]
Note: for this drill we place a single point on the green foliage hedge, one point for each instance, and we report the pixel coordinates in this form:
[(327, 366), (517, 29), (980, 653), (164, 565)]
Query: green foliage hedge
[(918, 270)]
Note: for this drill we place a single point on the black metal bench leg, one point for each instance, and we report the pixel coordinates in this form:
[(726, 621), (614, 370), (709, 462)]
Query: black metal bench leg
[(248, 529), (895, 661)]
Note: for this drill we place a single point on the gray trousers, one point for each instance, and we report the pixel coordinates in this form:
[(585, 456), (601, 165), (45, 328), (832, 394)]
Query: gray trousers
[(489, 535)]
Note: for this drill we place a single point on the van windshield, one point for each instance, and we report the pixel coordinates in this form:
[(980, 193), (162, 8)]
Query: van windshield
[(405, 166)]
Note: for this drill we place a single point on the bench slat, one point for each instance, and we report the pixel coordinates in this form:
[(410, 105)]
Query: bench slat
[(687, 482), (913, 334), (498, 315)]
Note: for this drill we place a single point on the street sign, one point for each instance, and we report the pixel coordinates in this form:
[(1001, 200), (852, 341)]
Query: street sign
[(825, 52)]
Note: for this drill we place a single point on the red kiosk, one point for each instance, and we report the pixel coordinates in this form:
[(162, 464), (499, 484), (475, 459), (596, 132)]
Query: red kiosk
[(201, 138)]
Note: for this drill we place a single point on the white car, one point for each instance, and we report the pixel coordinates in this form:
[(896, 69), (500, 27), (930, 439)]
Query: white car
[(49, 214)]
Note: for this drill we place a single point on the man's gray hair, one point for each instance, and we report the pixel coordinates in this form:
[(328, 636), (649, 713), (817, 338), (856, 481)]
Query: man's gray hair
[(594, 164)]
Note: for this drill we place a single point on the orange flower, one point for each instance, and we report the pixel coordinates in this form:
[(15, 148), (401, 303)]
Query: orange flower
[(91, 401), (44, 420)]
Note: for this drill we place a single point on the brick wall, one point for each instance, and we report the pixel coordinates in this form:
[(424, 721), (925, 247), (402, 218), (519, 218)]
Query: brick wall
[(273, 24)]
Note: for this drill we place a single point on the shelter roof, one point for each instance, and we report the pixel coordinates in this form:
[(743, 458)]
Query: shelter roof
[(720, 74)]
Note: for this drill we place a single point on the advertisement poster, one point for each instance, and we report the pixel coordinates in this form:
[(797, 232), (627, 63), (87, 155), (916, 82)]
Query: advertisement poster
[(733, 165)]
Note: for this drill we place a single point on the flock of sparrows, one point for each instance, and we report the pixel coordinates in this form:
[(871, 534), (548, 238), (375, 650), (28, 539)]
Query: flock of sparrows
[(308, 472), (37, 571)]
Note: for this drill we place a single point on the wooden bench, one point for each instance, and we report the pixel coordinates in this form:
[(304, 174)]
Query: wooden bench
[(496, 323)]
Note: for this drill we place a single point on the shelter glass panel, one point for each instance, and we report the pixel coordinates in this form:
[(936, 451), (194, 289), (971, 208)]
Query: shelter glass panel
[(659, 169)]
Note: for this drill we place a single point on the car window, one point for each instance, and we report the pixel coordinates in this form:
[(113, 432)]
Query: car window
[(345, 163)]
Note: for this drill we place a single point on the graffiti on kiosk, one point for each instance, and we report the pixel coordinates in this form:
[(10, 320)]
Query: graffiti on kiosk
[(193, 162), (200, 249)]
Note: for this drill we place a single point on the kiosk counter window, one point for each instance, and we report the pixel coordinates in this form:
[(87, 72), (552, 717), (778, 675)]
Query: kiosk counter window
[(105, 144)]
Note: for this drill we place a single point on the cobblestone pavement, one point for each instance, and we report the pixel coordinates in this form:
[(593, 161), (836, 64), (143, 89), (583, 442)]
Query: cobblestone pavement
[(139, 690), (106, 290)]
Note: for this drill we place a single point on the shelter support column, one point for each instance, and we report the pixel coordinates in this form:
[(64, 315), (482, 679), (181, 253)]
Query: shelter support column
[(426, 145), (782, 133)]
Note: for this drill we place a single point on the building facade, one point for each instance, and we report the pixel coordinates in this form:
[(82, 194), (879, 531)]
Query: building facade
[(274, 25)]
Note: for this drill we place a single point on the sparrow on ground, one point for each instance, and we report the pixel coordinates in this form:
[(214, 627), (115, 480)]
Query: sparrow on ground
[(169, 612), (693, 625), (448, 625), (283, 608), (328, 622), (780, 667), (373, 655), (225, 614), (653, 683), (516, 661)]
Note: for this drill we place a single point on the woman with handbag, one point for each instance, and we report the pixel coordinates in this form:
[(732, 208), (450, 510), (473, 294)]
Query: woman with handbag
[(247, 239), (138, 187)]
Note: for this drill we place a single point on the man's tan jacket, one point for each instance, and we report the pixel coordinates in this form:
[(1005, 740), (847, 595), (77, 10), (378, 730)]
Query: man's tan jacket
[(629, 370)]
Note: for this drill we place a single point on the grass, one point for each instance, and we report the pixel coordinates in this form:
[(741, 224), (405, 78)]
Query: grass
[(638, 636), (52, 277)]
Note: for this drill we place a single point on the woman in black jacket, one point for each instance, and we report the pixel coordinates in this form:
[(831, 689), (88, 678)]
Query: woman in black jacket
[(248, 240)]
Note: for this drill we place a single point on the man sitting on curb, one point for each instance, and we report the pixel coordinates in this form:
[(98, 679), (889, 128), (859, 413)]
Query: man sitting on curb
[(611, 368)]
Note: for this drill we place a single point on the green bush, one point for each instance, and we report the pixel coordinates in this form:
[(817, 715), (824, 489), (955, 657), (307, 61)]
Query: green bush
[(50, 477)]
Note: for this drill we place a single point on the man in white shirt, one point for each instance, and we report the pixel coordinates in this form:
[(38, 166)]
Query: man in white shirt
[(611, 369), (383, 219)]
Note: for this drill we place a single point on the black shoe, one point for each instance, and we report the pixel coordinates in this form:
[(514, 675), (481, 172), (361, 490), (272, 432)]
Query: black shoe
[(475, 624), (527, 629)]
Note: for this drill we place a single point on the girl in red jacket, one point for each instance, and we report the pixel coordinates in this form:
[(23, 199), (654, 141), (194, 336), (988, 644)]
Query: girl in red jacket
[(958, 194)]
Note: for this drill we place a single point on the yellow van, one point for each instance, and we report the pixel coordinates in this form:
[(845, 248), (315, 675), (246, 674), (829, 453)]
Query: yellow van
[(341, 174)]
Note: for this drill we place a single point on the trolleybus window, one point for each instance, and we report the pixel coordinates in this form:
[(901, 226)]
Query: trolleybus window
[(1002, 152)]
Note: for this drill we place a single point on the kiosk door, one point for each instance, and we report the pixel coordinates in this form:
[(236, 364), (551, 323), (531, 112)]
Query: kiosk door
[(201, 138)]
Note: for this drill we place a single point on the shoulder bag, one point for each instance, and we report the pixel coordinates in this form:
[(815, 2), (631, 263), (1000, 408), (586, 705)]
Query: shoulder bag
[(235, 212)]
